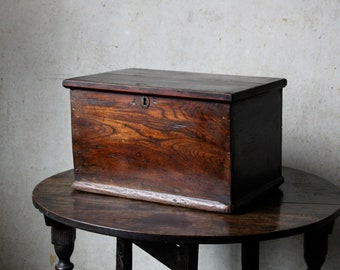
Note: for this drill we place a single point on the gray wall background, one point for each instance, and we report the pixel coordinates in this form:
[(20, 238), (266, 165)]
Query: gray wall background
[(44, 42)]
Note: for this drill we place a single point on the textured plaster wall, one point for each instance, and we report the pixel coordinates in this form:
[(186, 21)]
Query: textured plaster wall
[(44, 42)]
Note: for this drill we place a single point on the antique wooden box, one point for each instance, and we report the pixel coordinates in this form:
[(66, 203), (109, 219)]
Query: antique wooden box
[(204, 141)]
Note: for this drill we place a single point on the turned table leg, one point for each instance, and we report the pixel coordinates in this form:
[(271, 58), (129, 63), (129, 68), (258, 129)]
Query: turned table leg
[(316, 246), (250, 255), (63, 238)]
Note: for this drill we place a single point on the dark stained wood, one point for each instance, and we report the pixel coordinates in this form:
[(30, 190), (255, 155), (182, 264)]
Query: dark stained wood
[(256, 135), (168, 137), (62, 237), (169, 148), (305, 204), (174, 256), (124, 254), (214, 87), (250, 255), (316, 246)]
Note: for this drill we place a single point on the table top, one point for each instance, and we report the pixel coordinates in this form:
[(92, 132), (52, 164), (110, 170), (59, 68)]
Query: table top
[(303, 202)]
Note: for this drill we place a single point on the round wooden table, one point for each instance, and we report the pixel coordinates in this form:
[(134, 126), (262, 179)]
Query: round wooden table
[(304, 204)]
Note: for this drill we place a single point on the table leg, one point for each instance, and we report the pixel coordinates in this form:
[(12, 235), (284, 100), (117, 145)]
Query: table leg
[(63, 238), (174, 256), (250, 255), (189, 257), (316, 246), (123, 254)]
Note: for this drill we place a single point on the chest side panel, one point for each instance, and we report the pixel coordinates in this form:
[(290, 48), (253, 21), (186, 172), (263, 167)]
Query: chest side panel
[(174, 146)]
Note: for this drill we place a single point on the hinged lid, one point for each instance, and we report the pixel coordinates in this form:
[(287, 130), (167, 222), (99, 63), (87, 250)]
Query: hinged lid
[(177, 84)]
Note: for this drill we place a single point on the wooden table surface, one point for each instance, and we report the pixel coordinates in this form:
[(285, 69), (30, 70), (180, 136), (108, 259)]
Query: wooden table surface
[(304, 203)]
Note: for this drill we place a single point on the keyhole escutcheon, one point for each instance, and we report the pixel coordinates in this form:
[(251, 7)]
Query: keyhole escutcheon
[(144, 102)]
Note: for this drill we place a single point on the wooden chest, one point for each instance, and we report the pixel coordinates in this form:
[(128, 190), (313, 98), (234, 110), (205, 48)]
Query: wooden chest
[(204, 141)]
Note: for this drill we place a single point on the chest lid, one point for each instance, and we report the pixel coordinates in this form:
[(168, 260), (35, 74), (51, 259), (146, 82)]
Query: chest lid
[(178, 84)]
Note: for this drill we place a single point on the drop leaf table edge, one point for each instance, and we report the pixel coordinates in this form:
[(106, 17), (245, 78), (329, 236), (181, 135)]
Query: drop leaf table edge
[(304, 204)]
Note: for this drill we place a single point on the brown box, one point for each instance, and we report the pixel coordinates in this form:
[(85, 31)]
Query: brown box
[(204, 141)]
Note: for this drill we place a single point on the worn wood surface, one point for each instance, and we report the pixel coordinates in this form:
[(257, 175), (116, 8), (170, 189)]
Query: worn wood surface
[(214, 87), (304, 203), (173, 147), (203, 141)]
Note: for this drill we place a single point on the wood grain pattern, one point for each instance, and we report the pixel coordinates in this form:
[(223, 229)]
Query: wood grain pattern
[(214, 141), (174, 147), (303, 204)]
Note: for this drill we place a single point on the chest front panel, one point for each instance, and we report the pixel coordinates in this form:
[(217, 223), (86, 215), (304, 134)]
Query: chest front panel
[(161, 144)]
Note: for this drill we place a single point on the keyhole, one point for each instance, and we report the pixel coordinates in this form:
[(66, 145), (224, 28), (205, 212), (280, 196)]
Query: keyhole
[(144, 102)]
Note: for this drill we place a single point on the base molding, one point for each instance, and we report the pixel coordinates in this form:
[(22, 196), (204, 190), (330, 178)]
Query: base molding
[(152, 196)]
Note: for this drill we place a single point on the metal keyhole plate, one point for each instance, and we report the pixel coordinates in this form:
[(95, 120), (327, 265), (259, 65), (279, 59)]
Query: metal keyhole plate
[(144, 102)]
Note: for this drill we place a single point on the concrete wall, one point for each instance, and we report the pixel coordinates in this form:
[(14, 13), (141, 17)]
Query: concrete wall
[(44, 42)]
